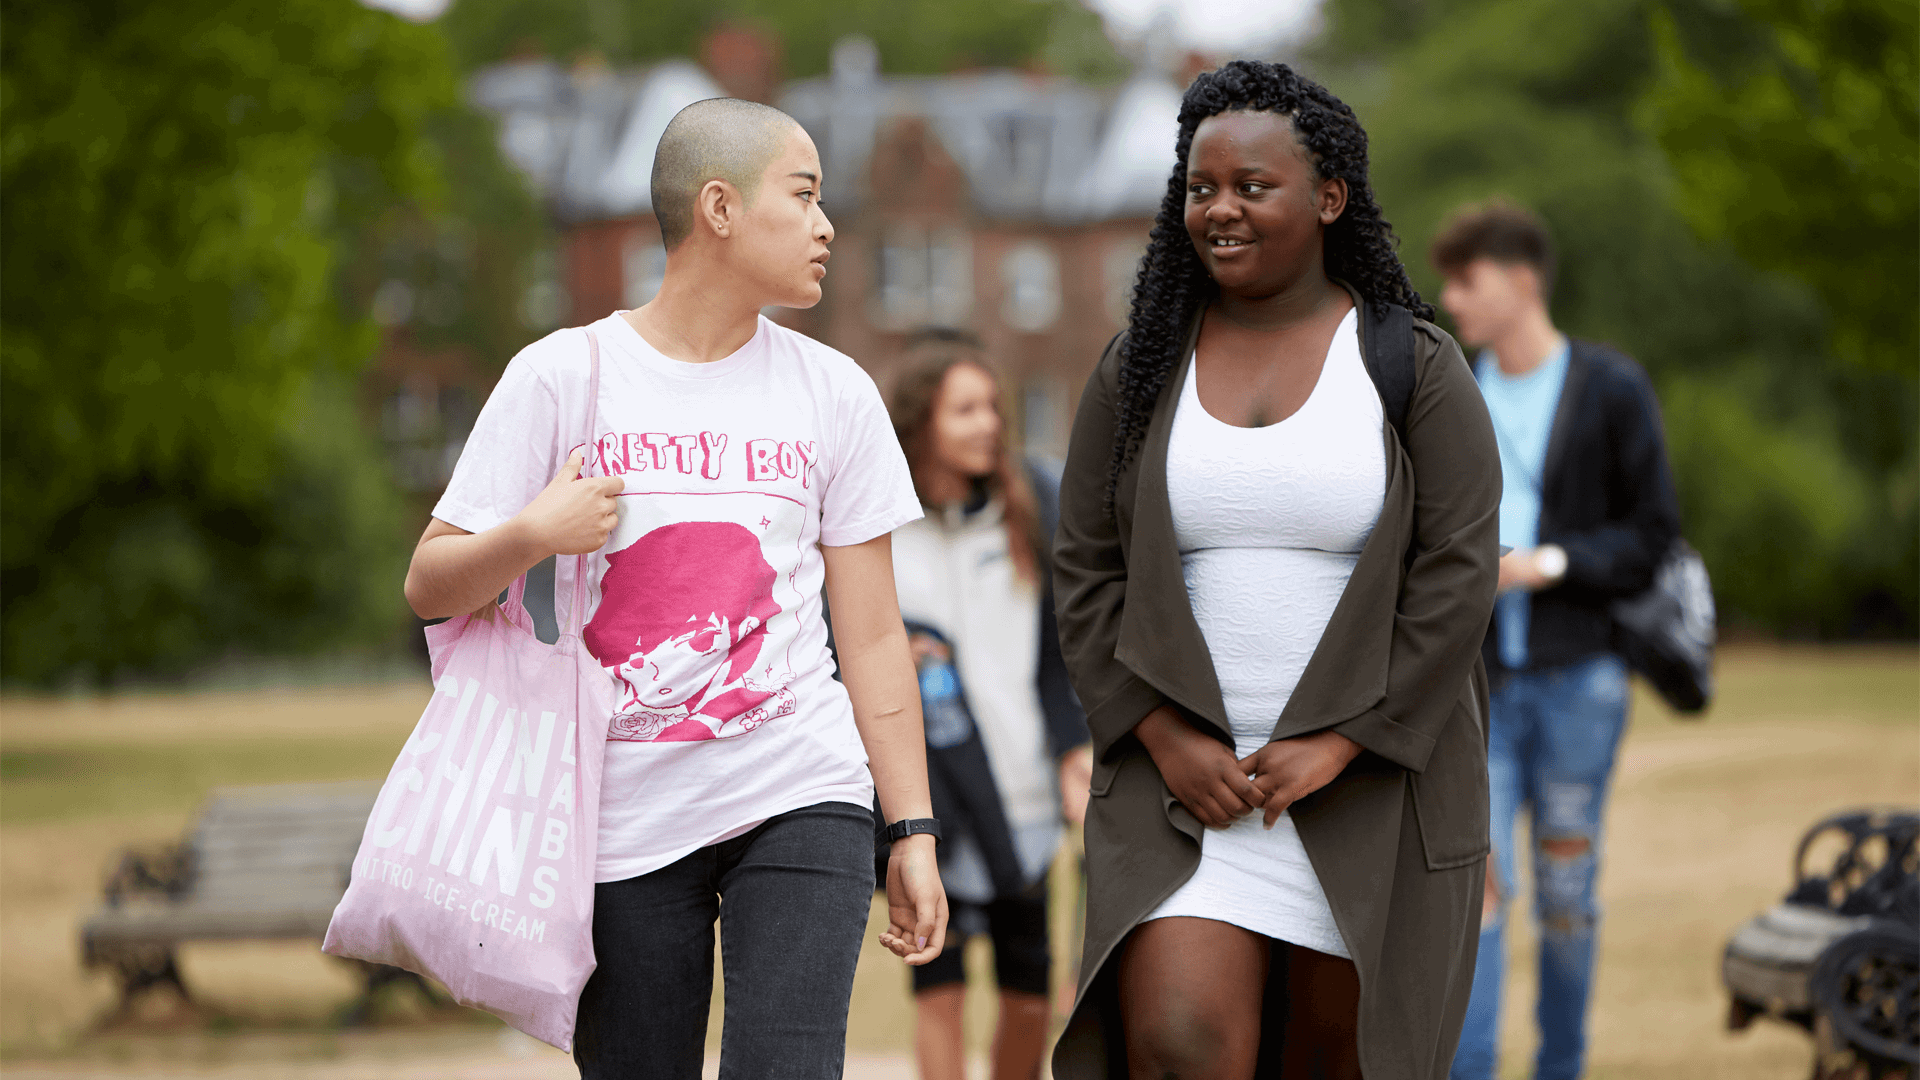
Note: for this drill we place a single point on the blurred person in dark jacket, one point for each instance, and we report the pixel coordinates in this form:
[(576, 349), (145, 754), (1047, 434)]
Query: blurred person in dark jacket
[(1007, 741), (1588, 507)]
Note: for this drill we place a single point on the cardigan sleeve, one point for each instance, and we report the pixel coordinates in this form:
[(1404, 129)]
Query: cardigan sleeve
[(1446, 595), (1620, 556), (1090, 573)]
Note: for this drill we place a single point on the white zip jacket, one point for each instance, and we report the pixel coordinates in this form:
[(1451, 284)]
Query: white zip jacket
[(955, 575)]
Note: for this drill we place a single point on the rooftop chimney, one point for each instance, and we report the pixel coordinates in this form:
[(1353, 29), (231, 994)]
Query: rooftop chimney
[(745, 62)]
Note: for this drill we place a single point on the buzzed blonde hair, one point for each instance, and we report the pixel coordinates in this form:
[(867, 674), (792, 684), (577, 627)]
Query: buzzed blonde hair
[(716, 139)]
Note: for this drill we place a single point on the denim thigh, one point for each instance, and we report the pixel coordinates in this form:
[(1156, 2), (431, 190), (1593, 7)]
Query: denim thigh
[(1553, 737), (794, 898), (643, 1015), (1510, 740), (1583, 714), (791, 896)]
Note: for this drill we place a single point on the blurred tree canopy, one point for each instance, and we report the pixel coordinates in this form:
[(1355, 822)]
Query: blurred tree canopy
[(200, 204), (1792, 432), (1792, 129), (913, 36), (182, 187)]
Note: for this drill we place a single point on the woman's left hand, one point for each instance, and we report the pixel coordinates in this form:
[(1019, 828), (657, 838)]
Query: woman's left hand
[(916, 901), (1295, 768)]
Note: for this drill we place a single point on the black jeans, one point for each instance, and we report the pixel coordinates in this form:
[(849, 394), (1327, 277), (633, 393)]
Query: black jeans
[(792, 898)]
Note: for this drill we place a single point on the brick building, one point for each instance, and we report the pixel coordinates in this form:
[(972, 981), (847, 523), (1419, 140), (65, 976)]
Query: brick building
[(1016, 205)]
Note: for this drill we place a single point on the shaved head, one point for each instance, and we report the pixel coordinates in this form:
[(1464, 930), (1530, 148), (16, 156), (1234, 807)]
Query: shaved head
[(716, 139)]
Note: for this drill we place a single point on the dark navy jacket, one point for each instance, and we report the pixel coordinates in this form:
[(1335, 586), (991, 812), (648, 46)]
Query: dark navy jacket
[(1607, 497)]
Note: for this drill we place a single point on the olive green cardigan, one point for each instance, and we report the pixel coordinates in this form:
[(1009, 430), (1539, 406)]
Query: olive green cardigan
[(1399, 838)]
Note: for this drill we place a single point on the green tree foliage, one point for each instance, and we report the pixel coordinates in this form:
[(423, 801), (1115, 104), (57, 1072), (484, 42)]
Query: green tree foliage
[(913, 36), (462, 254), (1783, 459), (1793, 129), (1792, 126), (184, 470)]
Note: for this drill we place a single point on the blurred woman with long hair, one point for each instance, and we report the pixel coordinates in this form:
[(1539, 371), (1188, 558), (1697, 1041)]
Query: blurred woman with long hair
[(1276, 561), (1006, 740)]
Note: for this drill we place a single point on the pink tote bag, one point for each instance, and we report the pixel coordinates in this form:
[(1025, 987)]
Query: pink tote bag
[(477, 864)]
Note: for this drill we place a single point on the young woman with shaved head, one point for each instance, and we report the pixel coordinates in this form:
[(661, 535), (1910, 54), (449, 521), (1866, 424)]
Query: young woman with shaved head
[(736, 467)]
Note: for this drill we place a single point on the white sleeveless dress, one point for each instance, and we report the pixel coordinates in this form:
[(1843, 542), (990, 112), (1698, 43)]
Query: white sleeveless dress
[(1270, 522)]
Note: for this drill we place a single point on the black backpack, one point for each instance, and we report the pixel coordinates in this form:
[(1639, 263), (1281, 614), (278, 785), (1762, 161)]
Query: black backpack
[(1388, 337)]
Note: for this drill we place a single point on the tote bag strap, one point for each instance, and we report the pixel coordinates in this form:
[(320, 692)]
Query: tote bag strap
[(577, 608), (515, 604)]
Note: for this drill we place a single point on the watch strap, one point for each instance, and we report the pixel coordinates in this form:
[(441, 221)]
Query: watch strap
[(906, 827)]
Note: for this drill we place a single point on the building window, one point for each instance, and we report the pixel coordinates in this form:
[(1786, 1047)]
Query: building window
[(393, 303), (643, 266), (1043, 415), (425, 427), (544, 301), (1031, 276), (1122, 265), (924, 276)]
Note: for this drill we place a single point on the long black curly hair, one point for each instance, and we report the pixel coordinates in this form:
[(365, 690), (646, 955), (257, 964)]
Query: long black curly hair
[(1173, 284)]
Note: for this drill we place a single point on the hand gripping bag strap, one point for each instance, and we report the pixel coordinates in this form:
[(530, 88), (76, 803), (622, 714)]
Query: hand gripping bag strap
[(517, 592)]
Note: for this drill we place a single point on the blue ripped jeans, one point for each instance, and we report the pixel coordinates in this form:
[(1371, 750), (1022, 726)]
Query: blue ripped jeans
[(1552, 740)]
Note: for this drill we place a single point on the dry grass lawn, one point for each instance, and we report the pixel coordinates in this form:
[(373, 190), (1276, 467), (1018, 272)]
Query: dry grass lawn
[(1702, 823)]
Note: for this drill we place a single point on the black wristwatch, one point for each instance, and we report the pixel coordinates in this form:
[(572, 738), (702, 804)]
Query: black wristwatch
[(902, 829)]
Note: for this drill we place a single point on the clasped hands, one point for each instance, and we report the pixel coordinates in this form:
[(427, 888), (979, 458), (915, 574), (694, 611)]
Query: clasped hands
[(1218, 789)]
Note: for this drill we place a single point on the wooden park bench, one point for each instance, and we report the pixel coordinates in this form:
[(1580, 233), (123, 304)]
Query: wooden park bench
[(261, 863)]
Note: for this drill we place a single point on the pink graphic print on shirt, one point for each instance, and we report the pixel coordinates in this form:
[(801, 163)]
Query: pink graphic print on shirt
[(690, 622)]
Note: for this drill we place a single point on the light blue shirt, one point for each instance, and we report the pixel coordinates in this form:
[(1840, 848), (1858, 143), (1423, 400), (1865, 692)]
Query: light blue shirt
[(1522, 407)]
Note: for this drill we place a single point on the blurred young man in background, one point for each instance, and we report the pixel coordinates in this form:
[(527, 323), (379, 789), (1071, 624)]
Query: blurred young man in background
[(1588, 507)]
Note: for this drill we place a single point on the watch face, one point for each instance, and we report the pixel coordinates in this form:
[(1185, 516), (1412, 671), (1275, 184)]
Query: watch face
[(1550, 561)]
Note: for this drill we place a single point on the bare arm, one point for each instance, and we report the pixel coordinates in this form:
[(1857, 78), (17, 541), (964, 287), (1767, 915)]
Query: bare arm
[(455, 572), (878, 671)]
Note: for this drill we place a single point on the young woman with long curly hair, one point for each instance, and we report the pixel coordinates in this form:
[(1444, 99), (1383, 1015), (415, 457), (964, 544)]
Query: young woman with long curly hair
[(1274, 574)]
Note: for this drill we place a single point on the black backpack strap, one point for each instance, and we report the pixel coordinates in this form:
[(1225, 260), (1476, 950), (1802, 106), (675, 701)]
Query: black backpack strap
[(1389, 358)]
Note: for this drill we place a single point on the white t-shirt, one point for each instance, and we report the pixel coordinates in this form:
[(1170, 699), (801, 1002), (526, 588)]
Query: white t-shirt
[(704, 605)]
